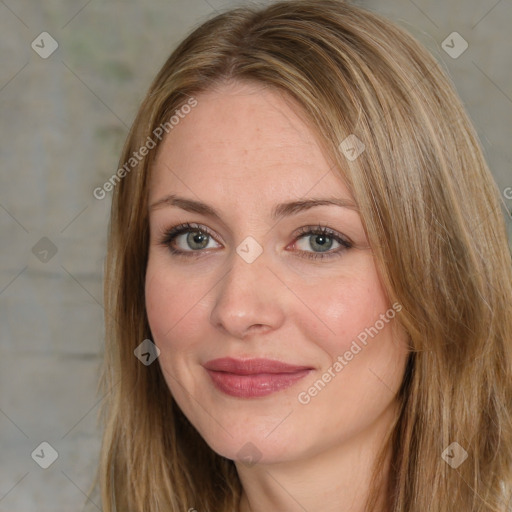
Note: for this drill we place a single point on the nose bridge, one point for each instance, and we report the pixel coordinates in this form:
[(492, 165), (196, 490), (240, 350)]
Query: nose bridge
[(248, 295)]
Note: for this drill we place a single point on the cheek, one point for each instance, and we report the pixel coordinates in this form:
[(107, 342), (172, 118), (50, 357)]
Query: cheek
[(173, 303), (344, 308), (362, 356)]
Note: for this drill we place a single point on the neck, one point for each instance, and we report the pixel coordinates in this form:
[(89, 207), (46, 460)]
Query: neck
[(337, 479)]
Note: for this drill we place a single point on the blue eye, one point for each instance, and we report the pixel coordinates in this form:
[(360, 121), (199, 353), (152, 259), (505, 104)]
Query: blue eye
[(189, 240), (322, 241)]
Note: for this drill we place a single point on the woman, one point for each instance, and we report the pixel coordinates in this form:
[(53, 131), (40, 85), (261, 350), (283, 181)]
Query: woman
[(308, 258)]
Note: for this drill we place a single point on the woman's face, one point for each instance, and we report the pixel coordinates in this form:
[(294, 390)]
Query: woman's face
[(277, 339)]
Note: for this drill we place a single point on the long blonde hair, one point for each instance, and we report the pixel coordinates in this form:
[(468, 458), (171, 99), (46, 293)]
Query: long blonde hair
[(432, 215)]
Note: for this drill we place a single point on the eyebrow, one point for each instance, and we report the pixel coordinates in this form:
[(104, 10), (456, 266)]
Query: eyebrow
[(279, 211)]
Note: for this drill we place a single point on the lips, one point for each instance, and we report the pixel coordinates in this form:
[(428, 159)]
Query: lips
[(251, 378), (252, 366)]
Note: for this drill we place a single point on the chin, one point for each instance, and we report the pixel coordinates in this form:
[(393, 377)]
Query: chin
[(250, 446)]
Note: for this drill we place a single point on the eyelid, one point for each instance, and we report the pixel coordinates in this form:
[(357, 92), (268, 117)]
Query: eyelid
[(169, 235), (323, 230)]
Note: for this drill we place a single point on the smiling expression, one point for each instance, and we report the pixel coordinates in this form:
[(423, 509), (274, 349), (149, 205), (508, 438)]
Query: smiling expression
[(259, 277)]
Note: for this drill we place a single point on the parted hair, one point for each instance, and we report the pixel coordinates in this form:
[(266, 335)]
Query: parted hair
[(432, 215)]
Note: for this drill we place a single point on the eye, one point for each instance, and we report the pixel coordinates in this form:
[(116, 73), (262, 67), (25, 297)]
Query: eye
[(188, 238), (323, 241)]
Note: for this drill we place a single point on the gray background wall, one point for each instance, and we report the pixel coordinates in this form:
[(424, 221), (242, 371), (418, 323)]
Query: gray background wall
[(62, 122)]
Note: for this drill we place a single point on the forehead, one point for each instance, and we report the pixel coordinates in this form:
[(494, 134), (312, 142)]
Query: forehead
[(240, 139)]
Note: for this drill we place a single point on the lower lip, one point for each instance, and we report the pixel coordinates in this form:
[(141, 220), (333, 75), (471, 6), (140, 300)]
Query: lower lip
[(256, 385)]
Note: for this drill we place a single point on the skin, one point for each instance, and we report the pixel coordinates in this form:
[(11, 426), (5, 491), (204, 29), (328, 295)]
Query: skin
[(242, 150)]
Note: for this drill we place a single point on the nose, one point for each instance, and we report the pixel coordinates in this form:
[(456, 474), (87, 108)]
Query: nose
[(249, 299)]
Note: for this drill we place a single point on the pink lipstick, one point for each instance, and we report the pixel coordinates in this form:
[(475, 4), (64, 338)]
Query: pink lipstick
[(251, 378)]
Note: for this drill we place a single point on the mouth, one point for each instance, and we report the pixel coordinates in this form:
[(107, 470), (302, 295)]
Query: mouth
[(252, 378)]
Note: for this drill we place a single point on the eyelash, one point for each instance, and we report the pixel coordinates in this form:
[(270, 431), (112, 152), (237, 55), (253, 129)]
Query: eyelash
[(171, 234)]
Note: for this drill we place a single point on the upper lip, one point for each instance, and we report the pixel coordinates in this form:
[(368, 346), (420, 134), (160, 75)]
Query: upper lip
[(252, 366)]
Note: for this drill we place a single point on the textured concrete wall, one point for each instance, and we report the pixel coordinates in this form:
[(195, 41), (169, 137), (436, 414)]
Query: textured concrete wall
[(64, 116)]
